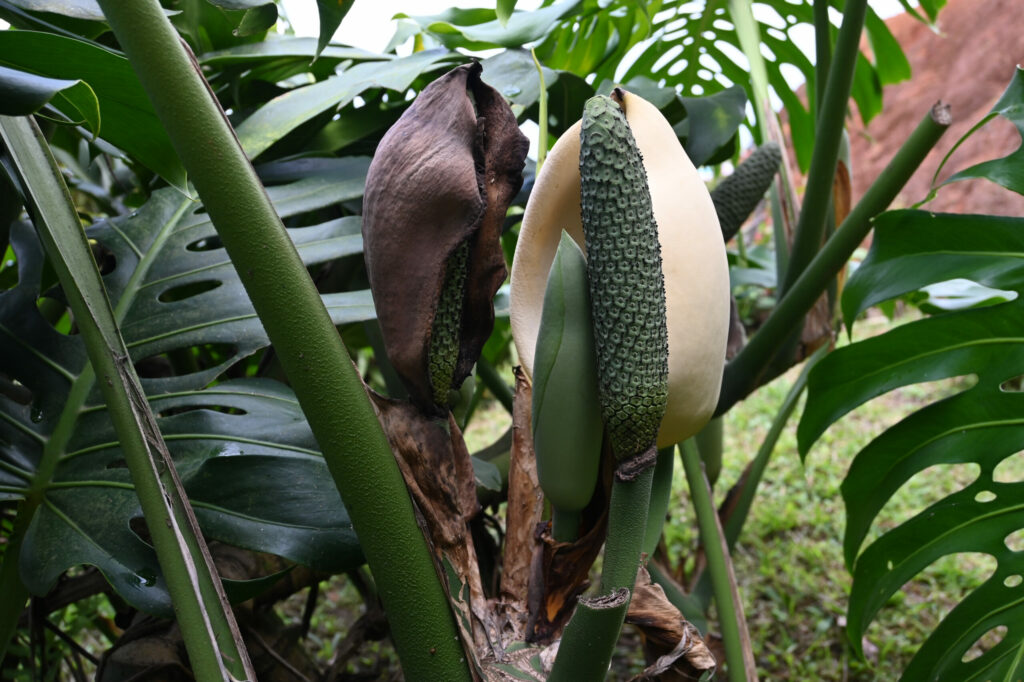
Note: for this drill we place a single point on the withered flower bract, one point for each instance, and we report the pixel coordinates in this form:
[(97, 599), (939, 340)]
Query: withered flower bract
[(436, 195)]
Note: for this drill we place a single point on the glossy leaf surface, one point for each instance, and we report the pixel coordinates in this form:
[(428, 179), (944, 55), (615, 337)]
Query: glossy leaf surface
[(980, 425), (242, 447), (126, 117)]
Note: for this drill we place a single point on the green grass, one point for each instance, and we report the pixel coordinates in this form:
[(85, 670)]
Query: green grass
[(789, 561)]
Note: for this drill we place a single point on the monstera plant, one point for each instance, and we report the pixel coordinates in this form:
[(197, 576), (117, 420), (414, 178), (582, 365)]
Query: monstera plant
[(259, 286)]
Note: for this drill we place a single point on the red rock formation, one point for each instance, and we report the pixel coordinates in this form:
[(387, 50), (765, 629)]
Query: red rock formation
[(967, 63)]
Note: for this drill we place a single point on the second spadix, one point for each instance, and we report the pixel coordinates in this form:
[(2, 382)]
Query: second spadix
[(693, 265)]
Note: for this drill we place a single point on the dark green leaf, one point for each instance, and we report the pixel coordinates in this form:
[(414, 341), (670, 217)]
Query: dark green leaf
[(712, 122), (304, 49), (487, 474), (243, 449), (76, 9), (287, 112), (126, 115), (257, 20), (912, 249), (24, 93), (1009, 170), (890, 62), (331, 14), (982, 425), (513, 74)]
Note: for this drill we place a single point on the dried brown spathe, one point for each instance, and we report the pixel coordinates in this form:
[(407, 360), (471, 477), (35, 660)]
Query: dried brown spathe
[(443, 175)]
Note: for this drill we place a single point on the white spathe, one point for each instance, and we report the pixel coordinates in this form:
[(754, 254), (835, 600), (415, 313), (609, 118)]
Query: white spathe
[(692, 253)]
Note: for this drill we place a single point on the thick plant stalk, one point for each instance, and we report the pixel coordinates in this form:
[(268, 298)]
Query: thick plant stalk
[(593, 630), (627, 524), (585, 651), (745, 371), (661, 496), (828, 136), (311, 352), (730, 612), (211, 635)]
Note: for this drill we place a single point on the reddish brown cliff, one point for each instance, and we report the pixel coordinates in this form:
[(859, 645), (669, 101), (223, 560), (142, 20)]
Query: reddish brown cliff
[(967, 63)]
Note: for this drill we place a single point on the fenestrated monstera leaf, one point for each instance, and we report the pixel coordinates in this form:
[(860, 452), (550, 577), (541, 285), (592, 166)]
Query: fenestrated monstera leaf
[(694, 46), (242, 447), (982, 424)]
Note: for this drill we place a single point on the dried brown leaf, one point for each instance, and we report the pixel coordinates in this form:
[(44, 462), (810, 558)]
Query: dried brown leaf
[(443, 175), (676, 645), (525, 499)]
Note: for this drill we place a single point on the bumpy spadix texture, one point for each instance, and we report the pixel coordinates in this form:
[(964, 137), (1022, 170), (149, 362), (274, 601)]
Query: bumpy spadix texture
[(445, 333), (738, 195), (693, 261), (627, 287)]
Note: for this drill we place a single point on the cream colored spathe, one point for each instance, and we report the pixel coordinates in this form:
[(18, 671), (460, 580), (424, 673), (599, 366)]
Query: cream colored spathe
[(692, 253)]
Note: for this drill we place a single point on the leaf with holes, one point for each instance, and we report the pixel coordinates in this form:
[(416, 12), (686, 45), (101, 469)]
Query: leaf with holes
[(242, 447), (693, 46), (982, 425)]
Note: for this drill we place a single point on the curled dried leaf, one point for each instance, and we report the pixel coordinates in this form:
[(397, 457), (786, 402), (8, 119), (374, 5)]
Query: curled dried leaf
[(436, 195)]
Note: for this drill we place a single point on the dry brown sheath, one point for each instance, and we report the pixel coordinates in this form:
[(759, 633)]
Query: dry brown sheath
[(445, 173)]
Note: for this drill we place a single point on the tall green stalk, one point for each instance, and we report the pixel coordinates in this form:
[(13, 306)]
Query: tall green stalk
[(585, 651), (589, 640), (311, 352), (752, 475), (211, 635), (746, 370), (822, 51), (828, 136), (730, 611)]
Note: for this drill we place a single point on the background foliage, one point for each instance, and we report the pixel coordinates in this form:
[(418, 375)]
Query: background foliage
[(309, 114)]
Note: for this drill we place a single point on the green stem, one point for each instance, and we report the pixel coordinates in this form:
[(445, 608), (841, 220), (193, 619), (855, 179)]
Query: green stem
[(746, 487), (779, 232), (590, 636), (627, 521), (746, 370), (828, 135), (730, 612), (542, 115), (211, 635), (309, 347), (754, 474), (822, 52), (585, 651), (492, 380), (661, 495)]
